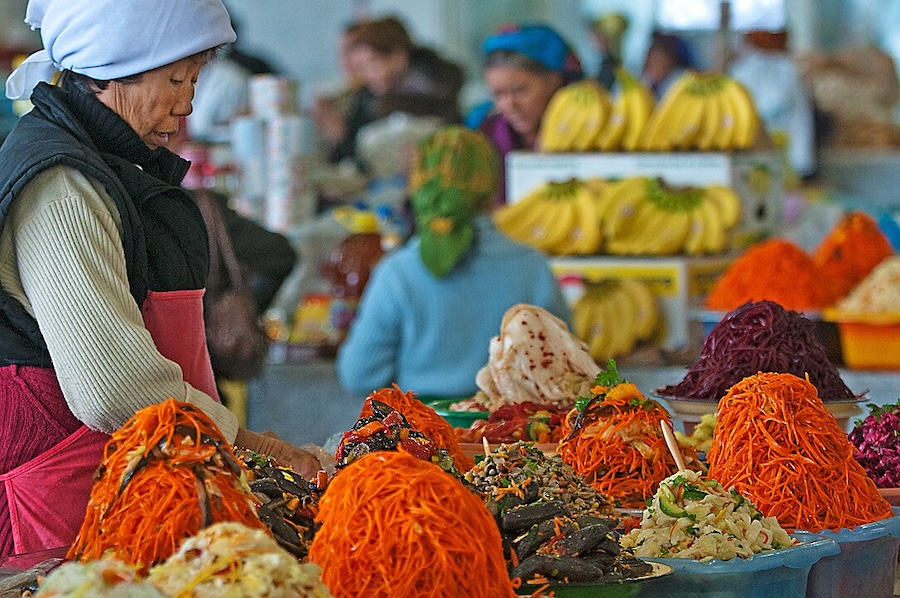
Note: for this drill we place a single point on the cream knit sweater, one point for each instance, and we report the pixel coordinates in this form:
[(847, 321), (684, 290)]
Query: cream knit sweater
[(61, 256)]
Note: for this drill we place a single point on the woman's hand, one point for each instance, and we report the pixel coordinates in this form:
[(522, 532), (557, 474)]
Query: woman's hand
[(303, 463)]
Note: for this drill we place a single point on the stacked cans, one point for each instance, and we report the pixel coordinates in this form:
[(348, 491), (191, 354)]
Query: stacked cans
[(274, 147)]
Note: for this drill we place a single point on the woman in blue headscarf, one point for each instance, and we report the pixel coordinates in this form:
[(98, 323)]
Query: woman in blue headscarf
[(523, 67), (103, 255)]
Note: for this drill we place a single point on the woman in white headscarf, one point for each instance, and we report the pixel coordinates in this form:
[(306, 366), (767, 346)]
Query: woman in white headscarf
[(103, 256)]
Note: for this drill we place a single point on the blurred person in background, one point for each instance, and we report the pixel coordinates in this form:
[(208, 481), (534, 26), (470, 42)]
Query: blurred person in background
[(523, 67), (403, 76), (339, 116), (607, 33), (785, 105), (668, 57), (431, 306), (103, 255)]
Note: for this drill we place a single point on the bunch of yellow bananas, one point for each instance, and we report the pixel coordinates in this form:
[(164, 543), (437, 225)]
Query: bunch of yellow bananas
[(575, 117), (631, 216), (615, 315), (559, 218), (583, 116), (703, 111), (632, 106), (644, 216)]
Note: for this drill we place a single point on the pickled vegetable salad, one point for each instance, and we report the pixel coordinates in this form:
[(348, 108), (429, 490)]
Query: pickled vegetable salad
[(692, 517)]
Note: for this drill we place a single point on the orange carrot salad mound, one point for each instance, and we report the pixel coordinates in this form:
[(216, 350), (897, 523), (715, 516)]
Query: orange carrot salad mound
[(393, 525), (777, 444), (424, 419), (165, 475), (774, 269), (849, 252), (616, 443)]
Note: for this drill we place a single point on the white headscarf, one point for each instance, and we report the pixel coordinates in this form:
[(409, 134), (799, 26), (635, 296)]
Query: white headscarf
[(111, 39)]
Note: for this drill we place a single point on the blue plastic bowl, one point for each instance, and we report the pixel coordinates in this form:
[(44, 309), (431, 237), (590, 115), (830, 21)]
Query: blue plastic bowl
[(776, 574), (866, 565)]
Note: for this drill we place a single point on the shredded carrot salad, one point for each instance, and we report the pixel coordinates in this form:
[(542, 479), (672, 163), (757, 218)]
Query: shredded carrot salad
[(618, 445), (166, 474), (777, 444), (393, 525), (424, 419), (774, 269)]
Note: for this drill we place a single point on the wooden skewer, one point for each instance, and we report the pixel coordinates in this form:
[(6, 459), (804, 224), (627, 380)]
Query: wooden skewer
[(672, 443), (487, 446)]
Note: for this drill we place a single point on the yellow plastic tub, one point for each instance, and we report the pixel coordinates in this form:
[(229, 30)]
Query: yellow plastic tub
[(869, 341)]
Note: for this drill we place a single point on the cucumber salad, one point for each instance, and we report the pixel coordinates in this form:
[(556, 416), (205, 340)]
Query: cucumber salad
[(696, 518)]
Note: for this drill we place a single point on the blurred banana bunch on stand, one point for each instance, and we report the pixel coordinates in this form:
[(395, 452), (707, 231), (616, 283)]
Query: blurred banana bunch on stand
[(559, 218), (583, 116), (705, 112), (613, 316), (631, 216), (644, 216), (701, 111)]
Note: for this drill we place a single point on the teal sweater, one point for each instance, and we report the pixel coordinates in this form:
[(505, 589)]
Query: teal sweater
[(431, 335)]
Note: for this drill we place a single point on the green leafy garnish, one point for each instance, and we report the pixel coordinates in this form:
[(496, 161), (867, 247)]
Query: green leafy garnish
[(610, 377)]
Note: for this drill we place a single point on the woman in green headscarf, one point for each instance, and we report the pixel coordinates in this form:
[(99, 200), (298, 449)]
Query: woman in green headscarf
[(431, 307)]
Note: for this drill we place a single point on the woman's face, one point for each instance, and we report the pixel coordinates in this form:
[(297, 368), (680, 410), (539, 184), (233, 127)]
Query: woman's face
[(521, 96), (380, 72), (153, 104)]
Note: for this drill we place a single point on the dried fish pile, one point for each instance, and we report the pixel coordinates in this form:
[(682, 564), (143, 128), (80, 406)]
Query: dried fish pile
[(554, 525), (287, 502)]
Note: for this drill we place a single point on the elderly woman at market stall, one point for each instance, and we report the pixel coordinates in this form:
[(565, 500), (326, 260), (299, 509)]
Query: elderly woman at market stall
[(429, 310), (523, 67), (103, 256)]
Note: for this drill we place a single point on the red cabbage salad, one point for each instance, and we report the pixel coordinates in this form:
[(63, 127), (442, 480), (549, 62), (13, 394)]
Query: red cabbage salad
[(758, 337), (876, 444)]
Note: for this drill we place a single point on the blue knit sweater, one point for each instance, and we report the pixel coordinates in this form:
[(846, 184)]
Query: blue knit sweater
[(431, 335)]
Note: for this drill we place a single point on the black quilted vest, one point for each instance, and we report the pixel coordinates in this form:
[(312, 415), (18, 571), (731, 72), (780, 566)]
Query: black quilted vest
[(164, 237)]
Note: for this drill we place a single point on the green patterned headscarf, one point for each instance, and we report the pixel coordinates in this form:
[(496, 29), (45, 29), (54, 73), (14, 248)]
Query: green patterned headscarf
[(454, 178)]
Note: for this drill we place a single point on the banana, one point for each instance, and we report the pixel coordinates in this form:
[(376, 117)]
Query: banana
[(624, 322), (582, 317), (610, 137), (599, 108), (644, 304), (563, 218), (670, 236), (574, 117), (525, 221), (694, 242), (655, 136), (599, 191), (582, 115), (727, 202), (714, 237), (636, 238), (712, 118), (560, 122), (588, 236), (639, 104), (623, 199), (747, 120), (686, 123), (601, 329), (707, 234), (728, 116)]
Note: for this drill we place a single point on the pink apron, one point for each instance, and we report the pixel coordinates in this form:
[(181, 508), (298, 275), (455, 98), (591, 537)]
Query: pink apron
[(47, 496)]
